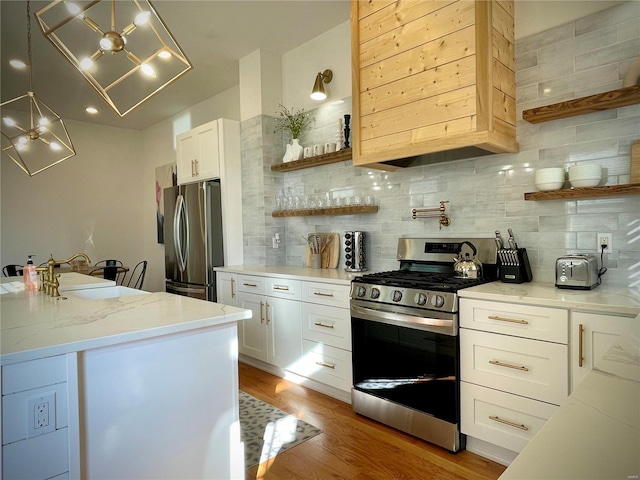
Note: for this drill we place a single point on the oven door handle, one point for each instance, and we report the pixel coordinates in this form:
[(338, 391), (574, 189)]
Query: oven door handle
[(437, 325)]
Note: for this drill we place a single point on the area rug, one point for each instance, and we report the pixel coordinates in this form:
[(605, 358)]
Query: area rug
[(267, 431)]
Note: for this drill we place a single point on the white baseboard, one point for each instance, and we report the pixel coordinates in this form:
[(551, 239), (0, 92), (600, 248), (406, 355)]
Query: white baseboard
[(298, 379), (492, 452)]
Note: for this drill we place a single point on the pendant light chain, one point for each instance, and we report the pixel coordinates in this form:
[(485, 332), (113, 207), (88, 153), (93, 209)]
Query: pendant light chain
[(29, 44)]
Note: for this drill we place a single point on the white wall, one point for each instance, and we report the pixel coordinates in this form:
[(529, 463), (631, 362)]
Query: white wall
[(159, 149), (89, 203), (331, 50)]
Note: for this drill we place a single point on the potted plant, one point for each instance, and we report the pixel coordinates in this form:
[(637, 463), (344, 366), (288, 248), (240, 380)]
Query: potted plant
[(295, 123)]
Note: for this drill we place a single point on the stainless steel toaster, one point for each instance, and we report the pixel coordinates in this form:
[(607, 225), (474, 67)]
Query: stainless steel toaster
[(578, 271)]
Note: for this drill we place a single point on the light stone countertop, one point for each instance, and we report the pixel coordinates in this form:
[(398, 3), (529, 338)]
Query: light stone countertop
[(34, 325), (329, 275), (596, 432), (601, 299)]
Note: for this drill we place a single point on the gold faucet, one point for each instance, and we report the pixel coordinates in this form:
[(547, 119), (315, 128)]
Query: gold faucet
[(49, 282)]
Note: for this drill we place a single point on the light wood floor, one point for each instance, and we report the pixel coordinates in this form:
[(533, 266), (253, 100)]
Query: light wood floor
[(351, 446)]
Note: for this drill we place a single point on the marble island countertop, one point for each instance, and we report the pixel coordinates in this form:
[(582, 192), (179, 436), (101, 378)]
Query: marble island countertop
[(600, 299), (35, 325)]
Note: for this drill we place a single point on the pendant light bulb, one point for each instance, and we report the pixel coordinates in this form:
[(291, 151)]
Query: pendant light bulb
[(142, 18), (86, 63), (148, 70)]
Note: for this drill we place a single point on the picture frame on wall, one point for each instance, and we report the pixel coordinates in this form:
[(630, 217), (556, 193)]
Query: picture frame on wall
[(165, 177)]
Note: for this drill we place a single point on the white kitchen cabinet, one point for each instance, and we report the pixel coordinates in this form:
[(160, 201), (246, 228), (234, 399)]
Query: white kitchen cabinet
[(274, 334), (591, 336), (198, 154), (513, 369), (226, 288)]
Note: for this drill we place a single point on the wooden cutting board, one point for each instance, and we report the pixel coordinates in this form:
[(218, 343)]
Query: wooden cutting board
[(635, 162), (331, 253)]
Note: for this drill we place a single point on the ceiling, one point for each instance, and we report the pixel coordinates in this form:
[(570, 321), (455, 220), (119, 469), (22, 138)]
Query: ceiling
[(214, 34)]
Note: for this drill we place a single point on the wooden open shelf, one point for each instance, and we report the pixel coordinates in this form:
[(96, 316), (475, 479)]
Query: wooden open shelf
[(580, 106), (328, 211), (326, 159), (590, 192)]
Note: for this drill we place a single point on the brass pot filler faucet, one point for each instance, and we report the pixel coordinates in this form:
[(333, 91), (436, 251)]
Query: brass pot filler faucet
[(49, 282)]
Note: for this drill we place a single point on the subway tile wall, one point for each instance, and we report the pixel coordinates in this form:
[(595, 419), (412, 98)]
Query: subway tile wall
[(485, 194)]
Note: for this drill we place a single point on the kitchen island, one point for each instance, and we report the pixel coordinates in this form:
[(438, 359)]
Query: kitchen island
[(109, 382)]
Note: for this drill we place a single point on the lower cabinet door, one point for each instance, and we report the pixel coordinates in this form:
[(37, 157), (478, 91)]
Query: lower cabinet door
[(284, 326), (500, 418), (252, 333)]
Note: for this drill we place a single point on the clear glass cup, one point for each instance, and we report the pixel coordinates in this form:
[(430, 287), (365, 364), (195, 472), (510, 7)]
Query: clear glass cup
[(368, 200)]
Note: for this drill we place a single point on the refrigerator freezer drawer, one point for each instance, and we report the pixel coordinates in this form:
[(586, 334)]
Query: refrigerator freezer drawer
[(203, 292)]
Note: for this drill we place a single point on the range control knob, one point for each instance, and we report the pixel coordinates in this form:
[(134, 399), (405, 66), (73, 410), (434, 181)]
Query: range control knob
[(420, 299), (397, 295), (437, 301), (375, 293), (361, 292)]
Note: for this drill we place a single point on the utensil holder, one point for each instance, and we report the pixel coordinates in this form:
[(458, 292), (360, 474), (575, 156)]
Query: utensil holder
[(316, 260), (514, 265)]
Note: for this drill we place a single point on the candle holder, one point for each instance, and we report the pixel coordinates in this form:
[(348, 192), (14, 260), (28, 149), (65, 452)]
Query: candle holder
[(347, 130)]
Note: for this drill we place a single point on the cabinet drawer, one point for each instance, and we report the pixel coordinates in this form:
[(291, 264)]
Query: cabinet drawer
[(500, 418), (527, 321), (522, 366), (326, 364), (326, 294), (329, 325), (252, 284), (283, 288)]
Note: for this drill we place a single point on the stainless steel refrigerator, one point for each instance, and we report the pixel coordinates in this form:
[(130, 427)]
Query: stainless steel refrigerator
[(193, 239)]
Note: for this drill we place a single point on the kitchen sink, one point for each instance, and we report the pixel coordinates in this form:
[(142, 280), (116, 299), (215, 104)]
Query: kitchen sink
[(104, 292)]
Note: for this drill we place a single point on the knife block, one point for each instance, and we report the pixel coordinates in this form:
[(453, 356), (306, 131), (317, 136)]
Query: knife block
[(514, 270)]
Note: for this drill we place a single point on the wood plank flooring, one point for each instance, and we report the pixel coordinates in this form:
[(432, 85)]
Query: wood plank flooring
[(352, 447)]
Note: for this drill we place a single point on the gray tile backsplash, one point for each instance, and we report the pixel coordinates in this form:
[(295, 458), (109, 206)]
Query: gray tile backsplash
[(484, 193)]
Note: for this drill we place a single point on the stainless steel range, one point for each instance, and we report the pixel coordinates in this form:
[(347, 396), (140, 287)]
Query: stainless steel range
[(405, 337)]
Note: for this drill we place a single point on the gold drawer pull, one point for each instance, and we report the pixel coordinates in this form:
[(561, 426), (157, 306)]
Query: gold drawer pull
[(320, 324), (511, 320), (249, 284), (580, 346), (508, 365), (507, 422), (320, 294), (280, 287), (328, 365)]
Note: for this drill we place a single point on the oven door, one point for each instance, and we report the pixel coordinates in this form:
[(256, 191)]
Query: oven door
[(407, 366)]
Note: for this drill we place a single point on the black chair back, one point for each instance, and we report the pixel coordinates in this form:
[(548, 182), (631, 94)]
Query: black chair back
[(13, 270), (136, 279), (108, 263), (110, 273)]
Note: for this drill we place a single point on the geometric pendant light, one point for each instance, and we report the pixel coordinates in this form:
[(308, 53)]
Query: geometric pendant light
[(33, 135), (122, 48)]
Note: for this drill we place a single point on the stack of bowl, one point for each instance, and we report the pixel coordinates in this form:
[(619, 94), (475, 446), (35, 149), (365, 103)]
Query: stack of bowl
[(585, 175), (549, 178)]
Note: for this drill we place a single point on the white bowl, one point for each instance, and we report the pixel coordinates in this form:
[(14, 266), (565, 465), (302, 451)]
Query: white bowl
[(549, 185), (549, 175), (585, 182), (581, 172)]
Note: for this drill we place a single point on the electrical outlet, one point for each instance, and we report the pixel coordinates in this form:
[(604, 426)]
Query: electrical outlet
[(604, 239), (41, 413)]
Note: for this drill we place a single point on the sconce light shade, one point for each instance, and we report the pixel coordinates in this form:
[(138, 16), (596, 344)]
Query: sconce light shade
[(318, 92), (33, 135), (122, 48)]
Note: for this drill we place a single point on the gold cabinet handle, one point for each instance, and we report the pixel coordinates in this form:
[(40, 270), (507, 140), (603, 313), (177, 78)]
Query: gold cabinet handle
[(261, 316), (197, 167), (280, 287), (320, 294), (580, 345), (233, 293), (320, 324), (267, 312), (327, 365), (507, 422), (510, 320), (509, 365), (249, 284)]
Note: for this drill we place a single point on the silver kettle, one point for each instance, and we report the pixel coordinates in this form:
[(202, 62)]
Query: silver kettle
[(466, 266)]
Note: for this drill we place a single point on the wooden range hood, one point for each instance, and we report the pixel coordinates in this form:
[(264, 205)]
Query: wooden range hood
[(433, 80)]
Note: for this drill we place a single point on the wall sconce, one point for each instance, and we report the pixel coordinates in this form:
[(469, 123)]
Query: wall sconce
[(123, 49), (318, 87)]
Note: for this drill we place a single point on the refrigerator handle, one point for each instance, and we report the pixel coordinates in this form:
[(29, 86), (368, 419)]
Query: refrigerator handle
[(178, 216)]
